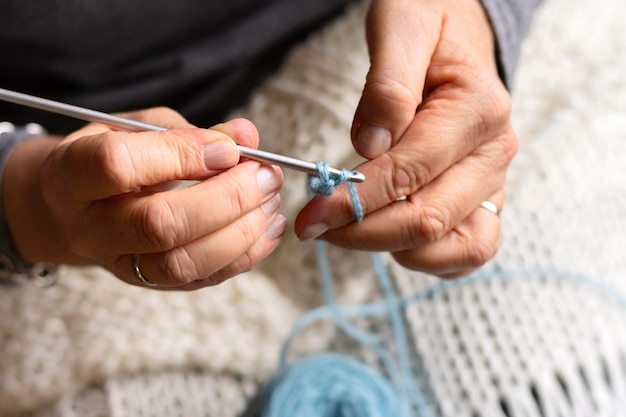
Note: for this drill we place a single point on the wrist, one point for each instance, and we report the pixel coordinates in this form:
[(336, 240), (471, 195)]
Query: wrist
[(13, 267), (33, 232)]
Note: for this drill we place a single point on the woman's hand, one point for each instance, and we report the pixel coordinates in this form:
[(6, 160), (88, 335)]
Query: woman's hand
[(101, 196), (434, 120)]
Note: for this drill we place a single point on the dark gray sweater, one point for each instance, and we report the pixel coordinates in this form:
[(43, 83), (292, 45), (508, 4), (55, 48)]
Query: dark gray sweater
[(200, 57)]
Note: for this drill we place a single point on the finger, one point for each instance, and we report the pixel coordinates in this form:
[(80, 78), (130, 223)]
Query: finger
[(162, 221), (158, 116), (260, 250), (241, 130), (114, 163), (201, 259), (401, 41), (465, 248), (429, 214), (442, 133)]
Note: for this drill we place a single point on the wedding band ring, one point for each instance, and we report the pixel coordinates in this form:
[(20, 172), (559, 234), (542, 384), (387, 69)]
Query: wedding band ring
[(490, 206), (138, 273)]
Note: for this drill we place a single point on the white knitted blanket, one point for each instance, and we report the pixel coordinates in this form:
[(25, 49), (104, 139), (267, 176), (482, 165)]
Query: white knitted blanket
[(537, 343)]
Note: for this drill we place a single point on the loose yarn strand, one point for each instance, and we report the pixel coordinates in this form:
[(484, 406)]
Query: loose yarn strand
[(329, 300), (400, 373), (408, 387), (381, 308), (337, 385)]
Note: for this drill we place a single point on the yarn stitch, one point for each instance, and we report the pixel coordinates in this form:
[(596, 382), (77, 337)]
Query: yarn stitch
[(324, 184)]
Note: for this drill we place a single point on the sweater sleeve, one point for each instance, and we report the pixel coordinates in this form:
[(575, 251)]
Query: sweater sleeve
[(510, 20), (10, 138)]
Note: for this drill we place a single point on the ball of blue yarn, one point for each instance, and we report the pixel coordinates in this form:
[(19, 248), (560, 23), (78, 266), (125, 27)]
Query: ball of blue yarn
[(331, 385)]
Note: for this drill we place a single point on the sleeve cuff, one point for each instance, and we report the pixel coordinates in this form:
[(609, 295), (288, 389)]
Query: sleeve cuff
[(510, 20), (12, 267)]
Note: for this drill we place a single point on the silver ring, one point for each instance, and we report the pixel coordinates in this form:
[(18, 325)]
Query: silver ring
[(490, 206), (138, 273)]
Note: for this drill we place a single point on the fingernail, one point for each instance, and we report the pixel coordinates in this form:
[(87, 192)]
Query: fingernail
[(372, 140), (277, 228), (269, 207), (220, 155), (268, 180), (312, 231)]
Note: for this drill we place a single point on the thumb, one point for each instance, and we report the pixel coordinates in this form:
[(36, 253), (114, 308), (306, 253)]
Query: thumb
[(401, 37)]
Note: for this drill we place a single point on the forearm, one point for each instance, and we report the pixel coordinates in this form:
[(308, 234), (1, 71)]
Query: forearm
[(510, 20)]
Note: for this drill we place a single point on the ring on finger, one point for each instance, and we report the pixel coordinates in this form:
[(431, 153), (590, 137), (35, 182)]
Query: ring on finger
[(490, 206), (140, 276)]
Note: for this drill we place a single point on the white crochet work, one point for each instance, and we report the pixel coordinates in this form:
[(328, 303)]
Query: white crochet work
[(541, 343), (535, 344)]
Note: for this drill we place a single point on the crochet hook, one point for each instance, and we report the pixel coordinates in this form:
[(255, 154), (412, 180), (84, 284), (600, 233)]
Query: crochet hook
[(136, 126)]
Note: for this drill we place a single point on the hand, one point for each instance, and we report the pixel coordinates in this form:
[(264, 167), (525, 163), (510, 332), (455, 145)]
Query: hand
[(99, 196), (434, 120)]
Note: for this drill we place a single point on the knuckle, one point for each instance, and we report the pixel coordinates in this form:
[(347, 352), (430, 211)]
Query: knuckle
[(480, 252), (241, 265), (244, 263), (113, 159), (217, 278), (497, 107), (237, 193), (385, 86), (509, 145), (406, 176), (178, 267), (158, 226), (429, 226), (491, 103), (237, 199), (153, 114), (249, 231)]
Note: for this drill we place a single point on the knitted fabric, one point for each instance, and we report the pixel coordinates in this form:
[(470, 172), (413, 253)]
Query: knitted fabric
[(524, 338)]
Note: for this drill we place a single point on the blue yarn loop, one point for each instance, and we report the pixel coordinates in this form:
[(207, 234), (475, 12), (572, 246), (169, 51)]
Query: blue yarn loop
[(324, 184)]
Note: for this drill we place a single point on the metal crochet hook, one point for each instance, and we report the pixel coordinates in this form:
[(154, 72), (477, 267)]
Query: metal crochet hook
[(136, 126)]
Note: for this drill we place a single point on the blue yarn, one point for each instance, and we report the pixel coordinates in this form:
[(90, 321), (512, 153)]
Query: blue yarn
[(381, 308), (336, 385), (340, 386), (324, 184), (332, 385)]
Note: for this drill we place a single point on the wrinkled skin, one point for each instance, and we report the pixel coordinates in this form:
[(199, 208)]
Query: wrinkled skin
[(99, 196), (434, 122)]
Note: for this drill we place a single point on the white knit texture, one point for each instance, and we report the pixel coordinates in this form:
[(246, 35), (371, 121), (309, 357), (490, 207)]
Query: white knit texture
[(541, 344), (534, 345)]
